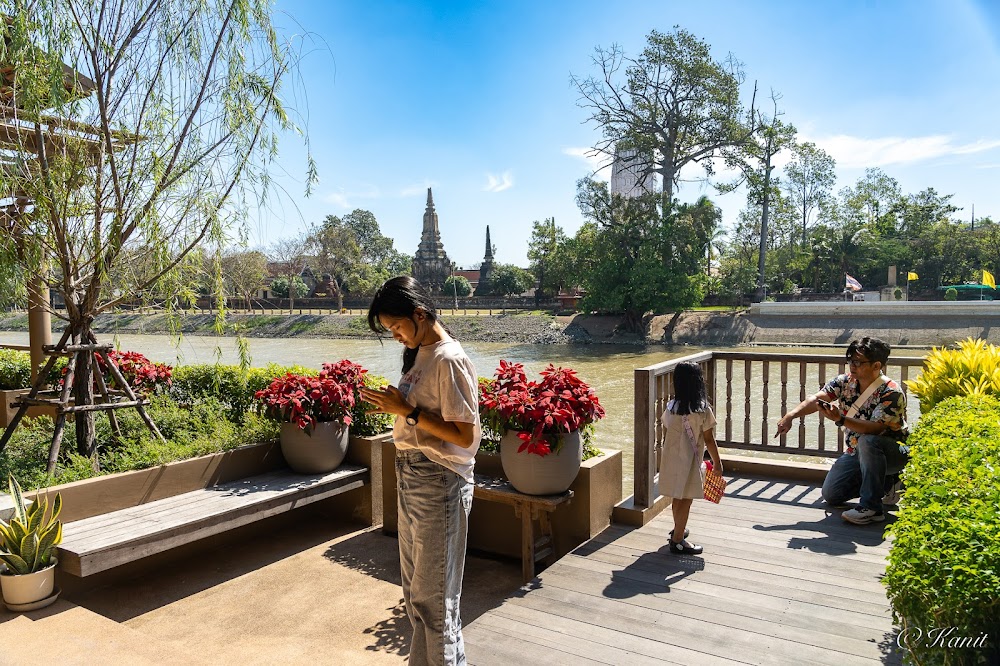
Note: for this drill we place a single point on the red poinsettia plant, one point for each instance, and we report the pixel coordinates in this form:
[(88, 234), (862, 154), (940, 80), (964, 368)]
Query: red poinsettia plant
[(144, 376), (539, 410), (306, 401)]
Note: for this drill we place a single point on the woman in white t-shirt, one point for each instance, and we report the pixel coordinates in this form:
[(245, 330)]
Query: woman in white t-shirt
[(437, 435), (688, 424)]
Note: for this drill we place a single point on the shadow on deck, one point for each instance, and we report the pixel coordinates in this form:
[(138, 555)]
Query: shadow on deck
[(783, 580)]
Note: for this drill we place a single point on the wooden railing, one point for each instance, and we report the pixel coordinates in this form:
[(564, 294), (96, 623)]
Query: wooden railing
[(771, 383)]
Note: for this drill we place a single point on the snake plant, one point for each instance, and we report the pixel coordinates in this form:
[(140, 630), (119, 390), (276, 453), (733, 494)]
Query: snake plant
[(26, 543)]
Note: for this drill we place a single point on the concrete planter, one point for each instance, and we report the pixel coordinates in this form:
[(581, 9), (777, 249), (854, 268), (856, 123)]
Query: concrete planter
[(494, 528), (314, 453), (103, 494), (7, 412)]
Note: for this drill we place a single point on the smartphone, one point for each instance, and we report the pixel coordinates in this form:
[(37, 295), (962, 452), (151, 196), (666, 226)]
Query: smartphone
[(824, 404)]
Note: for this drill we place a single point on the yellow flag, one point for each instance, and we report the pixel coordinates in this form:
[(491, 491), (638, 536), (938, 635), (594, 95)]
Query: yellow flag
[(988, 279), (911, 276)]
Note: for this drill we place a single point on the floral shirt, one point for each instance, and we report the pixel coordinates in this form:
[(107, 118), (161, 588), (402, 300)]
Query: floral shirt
[(887, 404)]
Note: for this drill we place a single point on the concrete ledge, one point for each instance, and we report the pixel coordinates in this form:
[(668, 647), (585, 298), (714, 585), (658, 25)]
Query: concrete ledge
[(627, 513), (493, 527), (944, 309), (776, 469), (6, 507)]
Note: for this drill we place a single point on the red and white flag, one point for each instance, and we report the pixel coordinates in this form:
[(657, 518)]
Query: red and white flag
[(853, 284)]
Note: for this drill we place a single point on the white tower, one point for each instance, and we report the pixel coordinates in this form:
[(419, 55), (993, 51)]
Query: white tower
[(626, 173)]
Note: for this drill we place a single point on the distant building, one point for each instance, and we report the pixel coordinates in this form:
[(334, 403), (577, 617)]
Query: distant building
[(627, 177), (483, 287), (471, 275), (431, 265)]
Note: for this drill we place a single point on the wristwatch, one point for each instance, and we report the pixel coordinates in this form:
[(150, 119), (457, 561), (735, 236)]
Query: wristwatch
[(413, 417), (839, 422)]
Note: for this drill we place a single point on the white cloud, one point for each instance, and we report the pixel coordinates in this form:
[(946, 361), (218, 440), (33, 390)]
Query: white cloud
[(599, 165), (338, 199), (346, 200), (417, 189), (858, 152), (499, 183)]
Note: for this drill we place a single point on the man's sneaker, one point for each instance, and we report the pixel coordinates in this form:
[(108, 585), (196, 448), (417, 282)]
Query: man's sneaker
[(863, 516), (893, 494)]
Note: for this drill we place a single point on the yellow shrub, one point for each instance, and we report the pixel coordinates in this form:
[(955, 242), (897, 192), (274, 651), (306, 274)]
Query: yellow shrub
[(972, 369)]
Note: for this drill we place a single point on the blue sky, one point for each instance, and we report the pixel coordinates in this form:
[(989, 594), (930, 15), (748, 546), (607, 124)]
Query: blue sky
[(474, 99)]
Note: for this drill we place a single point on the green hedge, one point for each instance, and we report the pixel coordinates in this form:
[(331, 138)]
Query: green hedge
[(191, 431), (234, 387), (15, 369), (944, 565)]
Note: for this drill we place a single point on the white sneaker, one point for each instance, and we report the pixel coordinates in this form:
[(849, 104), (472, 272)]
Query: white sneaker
[(862, 516), (893, 494)]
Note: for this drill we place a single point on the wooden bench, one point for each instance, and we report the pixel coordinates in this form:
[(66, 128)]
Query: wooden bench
[(107, 540), (528, 508)]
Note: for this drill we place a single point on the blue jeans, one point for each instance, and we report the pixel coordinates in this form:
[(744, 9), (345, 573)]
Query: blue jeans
[(434, 505), (864, 474)]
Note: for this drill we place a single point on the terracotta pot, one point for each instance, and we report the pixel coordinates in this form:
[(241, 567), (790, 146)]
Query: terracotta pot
[(22, 589), (533, 474), (318, 453)]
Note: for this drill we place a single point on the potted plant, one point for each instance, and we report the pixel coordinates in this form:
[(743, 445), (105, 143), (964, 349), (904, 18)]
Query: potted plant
[(541, 421), (26, 544), (315, 415)]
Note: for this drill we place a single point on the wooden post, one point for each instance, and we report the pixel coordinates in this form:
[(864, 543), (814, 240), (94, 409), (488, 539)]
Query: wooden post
[(644, 435), (39, 323)]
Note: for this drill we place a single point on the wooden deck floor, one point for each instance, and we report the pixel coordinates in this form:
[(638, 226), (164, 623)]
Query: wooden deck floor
[(782, 581)]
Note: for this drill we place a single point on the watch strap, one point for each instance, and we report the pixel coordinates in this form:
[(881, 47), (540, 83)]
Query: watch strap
[(413, 416)]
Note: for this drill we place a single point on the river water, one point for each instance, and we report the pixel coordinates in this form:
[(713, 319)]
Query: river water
[(607, 368)]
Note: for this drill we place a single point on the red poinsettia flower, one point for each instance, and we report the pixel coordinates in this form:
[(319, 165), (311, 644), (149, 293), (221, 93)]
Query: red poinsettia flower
[(142, 375), (561, 402), (305, 400)]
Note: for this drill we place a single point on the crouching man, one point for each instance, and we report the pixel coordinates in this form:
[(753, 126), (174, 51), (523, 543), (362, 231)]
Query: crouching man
[(871, 408)]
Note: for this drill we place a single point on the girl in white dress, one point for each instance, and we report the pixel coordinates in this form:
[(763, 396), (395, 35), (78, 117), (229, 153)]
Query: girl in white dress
[(688, 419)]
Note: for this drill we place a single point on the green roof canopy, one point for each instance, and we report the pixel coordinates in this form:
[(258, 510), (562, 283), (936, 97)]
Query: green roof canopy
[(967, 287)]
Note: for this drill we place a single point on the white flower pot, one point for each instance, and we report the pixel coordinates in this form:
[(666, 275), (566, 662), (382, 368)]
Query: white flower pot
[(533, 474), (22, 589), (318, 453)]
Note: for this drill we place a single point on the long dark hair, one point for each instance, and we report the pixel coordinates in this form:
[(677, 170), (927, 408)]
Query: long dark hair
[(401, 297), (689, 389)]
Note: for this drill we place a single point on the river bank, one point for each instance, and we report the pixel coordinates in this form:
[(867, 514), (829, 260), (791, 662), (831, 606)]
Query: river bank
[(917, 326)]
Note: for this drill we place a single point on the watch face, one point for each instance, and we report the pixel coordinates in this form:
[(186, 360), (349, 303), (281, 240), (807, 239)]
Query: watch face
[(411, 418)]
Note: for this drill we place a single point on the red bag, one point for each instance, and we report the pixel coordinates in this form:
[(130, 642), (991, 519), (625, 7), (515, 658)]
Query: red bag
[(713, 483)]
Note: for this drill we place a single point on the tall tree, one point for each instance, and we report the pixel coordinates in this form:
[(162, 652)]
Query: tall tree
[(874, 201), (809, 179), (756, 158), (676, 105), (354, 251), (543, 249), (631, 258), (510, 280), (244, 273), (161, 138), (334, 250), (288, 257)]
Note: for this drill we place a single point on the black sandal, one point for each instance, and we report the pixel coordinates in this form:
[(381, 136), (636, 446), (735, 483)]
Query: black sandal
[(684, 548), (687, 533)]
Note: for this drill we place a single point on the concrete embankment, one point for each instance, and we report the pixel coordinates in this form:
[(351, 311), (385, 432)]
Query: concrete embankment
[(900, 324)]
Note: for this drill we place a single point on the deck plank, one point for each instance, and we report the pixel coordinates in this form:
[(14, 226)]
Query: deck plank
[(782, 581)]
